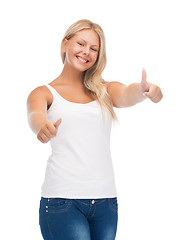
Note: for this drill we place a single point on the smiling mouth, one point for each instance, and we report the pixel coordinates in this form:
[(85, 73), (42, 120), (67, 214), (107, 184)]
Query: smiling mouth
[(82, 60)]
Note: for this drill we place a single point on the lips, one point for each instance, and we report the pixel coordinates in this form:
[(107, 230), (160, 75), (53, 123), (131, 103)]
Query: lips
[(83, 59)]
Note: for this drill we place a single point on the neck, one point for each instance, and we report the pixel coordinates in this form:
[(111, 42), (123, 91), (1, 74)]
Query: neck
[(71, 76)]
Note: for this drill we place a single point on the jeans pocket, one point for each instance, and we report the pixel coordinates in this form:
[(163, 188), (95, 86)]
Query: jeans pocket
[(57, 205), (113, 204)]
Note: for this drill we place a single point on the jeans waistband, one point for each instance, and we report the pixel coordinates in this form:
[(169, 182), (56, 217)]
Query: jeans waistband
[(84, 200)]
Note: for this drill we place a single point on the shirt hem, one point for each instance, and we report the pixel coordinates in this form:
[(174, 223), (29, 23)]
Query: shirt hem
[(78, 196)]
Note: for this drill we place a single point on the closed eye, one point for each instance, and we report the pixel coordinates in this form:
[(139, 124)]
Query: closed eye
[(91, 48)]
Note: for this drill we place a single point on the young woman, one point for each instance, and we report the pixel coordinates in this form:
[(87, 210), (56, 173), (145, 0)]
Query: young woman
[(75, 112)]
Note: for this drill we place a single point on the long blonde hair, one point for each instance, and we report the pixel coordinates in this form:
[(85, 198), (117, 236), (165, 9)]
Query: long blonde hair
[(93, 80)]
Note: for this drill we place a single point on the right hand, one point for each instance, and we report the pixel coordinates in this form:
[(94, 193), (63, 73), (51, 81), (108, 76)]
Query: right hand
[(48, 131)]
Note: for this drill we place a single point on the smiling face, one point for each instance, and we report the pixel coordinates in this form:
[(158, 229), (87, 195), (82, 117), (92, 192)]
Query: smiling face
[(82, 49)]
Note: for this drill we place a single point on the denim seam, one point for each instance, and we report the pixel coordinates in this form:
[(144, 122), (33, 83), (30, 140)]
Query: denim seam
[(92, 214), (62, 210), (111, 207), (88, 203), (49, 227)]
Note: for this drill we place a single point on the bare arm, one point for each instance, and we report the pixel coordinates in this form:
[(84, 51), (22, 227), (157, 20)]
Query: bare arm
[(37, 116), (37, 109), (126, 96)]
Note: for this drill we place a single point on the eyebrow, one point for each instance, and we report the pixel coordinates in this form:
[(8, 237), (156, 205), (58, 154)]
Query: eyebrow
[(85, 41)]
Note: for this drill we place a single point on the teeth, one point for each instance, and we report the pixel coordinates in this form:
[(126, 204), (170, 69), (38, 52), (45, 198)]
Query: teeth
[(81, 59)]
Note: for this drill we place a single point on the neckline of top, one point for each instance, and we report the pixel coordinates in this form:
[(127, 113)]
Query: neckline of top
[(94, 101)]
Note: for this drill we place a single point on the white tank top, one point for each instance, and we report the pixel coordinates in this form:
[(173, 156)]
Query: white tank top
[(80, 164)]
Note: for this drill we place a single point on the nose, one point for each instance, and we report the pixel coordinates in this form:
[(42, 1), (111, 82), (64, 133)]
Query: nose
[(86, 50)]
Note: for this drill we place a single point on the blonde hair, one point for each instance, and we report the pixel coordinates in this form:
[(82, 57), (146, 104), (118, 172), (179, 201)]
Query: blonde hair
[(93, 80)]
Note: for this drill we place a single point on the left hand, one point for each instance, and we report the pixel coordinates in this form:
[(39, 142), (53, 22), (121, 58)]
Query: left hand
[(150, 90)]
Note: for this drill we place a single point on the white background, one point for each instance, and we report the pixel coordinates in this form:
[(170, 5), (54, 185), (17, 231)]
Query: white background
[(144, 145)]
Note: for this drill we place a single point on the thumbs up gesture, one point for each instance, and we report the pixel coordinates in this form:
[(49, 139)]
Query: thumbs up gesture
[(57, 123), (150, 90), (48, 131)]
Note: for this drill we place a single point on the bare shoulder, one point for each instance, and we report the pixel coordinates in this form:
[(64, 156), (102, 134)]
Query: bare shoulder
[(115, 90), (41, 89), (114, 87), (40, 93), (113, 84)]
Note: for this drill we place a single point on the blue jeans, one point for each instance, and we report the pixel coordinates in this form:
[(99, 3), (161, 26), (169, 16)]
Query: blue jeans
[(78, 219)]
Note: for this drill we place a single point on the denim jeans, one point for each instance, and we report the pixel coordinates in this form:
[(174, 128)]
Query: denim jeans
[(78, 219)]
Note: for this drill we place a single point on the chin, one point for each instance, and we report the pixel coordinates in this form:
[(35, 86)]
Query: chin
[(82, 69)]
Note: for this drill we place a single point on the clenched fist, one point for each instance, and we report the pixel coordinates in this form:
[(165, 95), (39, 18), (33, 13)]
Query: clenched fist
[(48, 131)]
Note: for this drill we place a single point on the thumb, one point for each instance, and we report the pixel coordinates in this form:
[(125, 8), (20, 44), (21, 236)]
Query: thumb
[(144, 76), (57, 123), (144, 86)]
